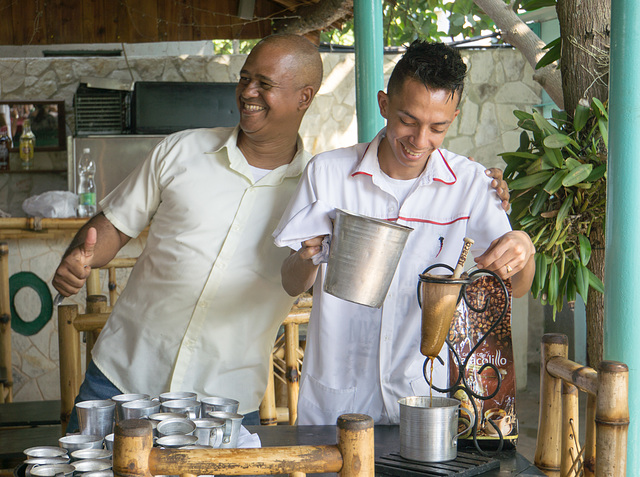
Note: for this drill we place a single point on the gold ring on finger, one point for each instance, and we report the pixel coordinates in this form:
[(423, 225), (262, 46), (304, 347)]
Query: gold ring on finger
[(509, 269)]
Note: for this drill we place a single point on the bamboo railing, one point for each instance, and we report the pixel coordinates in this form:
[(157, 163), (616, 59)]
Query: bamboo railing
[(558, 450), (284, 364), (353, 455), (6, 375), (37, 227), (70, 324)]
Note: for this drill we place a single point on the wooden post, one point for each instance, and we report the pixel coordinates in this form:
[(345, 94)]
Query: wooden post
[(132, 445), (612, 419), (267, 410), (353, 456), (570, 431), (6, 373), (69, 351), (95, 304), (113, 286), (355, 441), (547, 456), (93, 282), (291, 345), (590, 437)]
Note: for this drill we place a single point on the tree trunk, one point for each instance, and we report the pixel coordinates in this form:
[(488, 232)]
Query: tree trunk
[(595, 302), (517, 33), (585, 31), (585, 36)]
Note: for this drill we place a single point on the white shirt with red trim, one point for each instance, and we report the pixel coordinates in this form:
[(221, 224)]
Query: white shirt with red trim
[(361, 359), (204, 302)]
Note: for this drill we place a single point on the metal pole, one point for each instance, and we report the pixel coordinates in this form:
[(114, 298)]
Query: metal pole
[(369, 58), (622, 268)]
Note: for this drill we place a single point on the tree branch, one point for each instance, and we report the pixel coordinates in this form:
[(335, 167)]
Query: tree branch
[(518, 34), (315, 17)]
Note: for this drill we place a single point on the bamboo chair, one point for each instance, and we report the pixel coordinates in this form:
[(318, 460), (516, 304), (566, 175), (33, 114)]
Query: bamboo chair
[(558, 451), (6, 374), (284, 365), (70, 324), (353, 455), (93, 282)]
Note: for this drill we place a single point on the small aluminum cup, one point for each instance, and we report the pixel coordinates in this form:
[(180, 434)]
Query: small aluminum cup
[(176, 426), (176, 441), (76, 442), (45, 451), (83, 454), (53, 470)]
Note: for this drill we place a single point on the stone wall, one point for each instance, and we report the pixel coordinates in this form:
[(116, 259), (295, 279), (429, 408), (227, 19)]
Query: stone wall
[(499, 81)]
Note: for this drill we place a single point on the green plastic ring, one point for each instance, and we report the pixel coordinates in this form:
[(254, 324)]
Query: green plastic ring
[(29, 279)]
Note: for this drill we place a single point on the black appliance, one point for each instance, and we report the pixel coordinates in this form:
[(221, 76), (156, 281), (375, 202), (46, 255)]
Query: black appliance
[(160, 107)]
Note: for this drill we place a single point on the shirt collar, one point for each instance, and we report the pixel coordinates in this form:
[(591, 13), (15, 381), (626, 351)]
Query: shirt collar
[(239, 163), (438, 169)]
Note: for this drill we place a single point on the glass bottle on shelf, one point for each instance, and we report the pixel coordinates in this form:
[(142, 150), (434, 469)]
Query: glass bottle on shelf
[(5, 145), (86, 184), (27, 145)]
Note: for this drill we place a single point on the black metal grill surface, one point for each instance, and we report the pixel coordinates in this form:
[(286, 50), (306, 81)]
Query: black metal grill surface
[(464, 465)]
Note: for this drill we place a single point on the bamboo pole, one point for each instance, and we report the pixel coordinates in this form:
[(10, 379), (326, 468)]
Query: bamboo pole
[(267, 409), (612, 419), (95, 304), (93, 282), (353, 456), (112, 286), (590, 437), (570, 430), (356, 444), (132, 444), (69, 351), (292, 342), (6, 385), (90, 321), (547, 456), (584, 377)]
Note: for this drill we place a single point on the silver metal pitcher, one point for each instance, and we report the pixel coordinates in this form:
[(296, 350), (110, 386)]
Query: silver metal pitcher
[(363, 257), (429, 428)]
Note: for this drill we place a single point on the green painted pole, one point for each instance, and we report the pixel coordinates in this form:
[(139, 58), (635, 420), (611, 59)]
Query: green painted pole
[(369, 58), (622, 268)]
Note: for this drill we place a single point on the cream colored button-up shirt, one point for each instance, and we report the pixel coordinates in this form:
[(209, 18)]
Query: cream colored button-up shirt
[(204, 301)]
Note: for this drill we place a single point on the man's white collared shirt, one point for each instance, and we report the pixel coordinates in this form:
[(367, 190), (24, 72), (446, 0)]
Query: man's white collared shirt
[(361, 359)]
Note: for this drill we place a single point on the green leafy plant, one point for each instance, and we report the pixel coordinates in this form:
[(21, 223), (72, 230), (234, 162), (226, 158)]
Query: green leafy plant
[(558, 182)]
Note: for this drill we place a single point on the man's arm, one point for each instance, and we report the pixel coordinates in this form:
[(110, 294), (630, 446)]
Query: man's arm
[(95, 244), (298, 271), (511, 256)]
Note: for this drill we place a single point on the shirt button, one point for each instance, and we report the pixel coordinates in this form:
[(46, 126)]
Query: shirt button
[(203, 304)]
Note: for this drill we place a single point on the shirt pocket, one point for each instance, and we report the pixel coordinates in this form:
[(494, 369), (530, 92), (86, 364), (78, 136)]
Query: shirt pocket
[(320, 404), (420, 387)]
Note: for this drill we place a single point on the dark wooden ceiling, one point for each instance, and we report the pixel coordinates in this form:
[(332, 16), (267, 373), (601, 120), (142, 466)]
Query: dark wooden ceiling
[(51, 22)]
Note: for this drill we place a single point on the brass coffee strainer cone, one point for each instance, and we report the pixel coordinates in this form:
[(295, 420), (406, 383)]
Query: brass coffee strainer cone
[(439, 298)]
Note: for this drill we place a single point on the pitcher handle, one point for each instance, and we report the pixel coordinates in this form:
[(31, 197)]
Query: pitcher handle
[(472, 422), (216, 436)]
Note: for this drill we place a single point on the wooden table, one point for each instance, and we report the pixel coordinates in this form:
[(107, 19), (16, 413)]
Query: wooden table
[(387, 441), (24, 425)]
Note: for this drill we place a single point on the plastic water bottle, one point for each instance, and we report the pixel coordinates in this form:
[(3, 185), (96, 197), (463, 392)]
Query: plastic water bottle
[(86, 185)]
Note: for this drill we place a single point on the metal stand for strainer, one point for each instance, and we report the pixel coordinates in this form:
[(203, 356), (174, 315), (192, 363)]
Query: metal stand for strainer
[(460, 383)]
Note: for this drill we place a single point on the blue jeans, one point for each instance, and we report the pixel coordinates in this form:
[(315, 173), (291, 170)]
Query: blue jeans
[(97, 386)]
